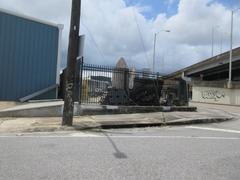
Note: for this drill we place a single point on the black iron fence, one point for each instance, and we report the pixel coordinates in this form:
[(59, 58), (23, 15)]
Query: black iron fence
[(118, 86), (106, 85)]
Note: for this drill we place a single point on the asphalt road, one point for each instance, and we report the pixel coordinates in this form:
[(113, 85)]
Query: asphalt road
[(185, 152)]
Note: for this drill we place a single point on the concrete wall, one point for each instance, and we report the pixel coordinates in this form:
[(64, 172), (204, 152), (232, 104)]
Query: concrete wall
[(216, 95)]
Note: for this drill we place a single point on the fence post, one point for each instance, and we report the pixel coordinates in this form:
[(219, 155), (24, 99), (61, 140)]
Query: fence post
[(80, 79), (77, 80), (183, 94), (126, 81)]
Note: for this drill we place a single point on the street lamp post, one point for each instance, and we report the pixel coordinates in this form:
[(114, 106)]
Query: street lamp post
[(154, 52), (154, 48), (231, 47)]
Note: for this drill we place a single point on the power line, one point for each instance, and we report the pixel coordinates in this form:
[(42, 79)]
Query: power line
[(141, 37), (94, 41), (155, 83)]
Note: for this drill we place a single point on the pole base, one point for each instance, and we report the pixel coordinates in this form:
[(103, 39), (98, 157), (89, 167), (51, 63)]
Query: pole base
[(229, 85)]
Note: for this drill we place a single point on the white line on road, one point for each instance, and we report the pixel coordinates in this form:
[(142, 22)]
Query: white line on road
[(213, 129), (124, 137)]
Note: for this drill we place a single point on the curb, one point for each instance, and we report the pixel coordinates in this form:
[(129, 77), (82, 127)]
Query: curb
[(57, 110), (198, 121), (171, 123), (115, 125)]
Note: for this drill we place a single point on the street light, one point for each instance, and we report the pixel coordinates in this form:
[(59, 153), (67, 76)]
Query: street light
[(231, 46), (154, 48)]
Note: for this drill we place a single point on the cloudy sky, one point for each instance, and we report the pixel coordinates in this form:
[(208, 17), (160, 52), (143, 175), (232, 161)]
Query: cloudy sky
[(125, 28)]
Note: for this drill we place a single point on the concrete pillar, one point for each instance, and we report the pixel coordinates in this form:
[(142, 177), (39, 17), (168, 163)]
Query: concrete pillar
[(120, 79)]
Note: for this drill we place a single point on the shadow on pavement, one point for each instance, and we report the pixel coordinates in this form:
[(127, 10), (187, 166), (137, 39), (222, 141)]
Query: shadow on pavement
[(118, 154)]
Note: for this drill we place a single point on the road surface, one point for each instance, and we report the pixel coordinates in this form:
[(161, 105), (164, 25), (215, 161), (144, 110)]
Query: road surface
[(198, 152)]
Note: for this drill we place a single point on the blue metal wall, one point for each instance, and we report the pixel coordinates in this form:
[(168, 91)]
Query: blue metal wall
[(28, 56)]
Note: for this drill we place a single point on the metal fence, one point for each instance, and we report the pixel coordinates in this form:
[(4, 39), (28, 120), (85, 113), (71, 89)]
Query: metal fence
[(108, 85)]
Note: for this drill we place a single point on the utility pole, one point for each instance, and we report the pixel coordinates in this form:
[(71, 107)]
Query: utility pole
[(67, 119), (230, 58)]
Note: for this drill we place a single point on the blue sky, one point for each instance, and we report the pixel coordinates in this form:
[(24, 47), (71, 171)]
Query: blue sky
[(170, 6), (157, 6)]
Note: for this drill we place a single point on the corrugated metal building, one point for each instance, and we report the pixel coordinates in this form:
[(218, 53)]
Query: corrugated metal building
[(29, 57)]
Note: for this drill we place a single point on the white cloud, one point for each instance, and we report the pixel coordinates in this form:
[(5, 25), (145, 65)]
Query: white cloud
[(111, 30)]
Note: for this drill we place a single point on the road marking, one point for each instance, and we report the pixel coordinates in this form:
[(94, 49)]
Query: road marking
[(213, 129), (45, 135), (122, 137)]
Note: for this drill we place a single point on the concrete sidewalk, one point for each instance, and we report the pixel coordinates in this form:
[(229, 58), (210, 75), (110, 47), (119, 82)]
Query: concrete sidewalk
[(228, 109), (55, 109), (50, 124), (7, 105)]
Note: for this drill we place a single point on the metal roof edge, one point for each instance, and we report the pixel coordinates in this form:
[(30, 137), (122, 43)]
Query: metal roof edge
[(59, 26)]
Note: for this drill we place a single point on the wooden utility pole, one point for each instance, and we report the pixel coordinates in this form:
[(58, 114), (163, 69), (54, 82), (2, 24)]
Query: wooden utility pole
[(67, 119)]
